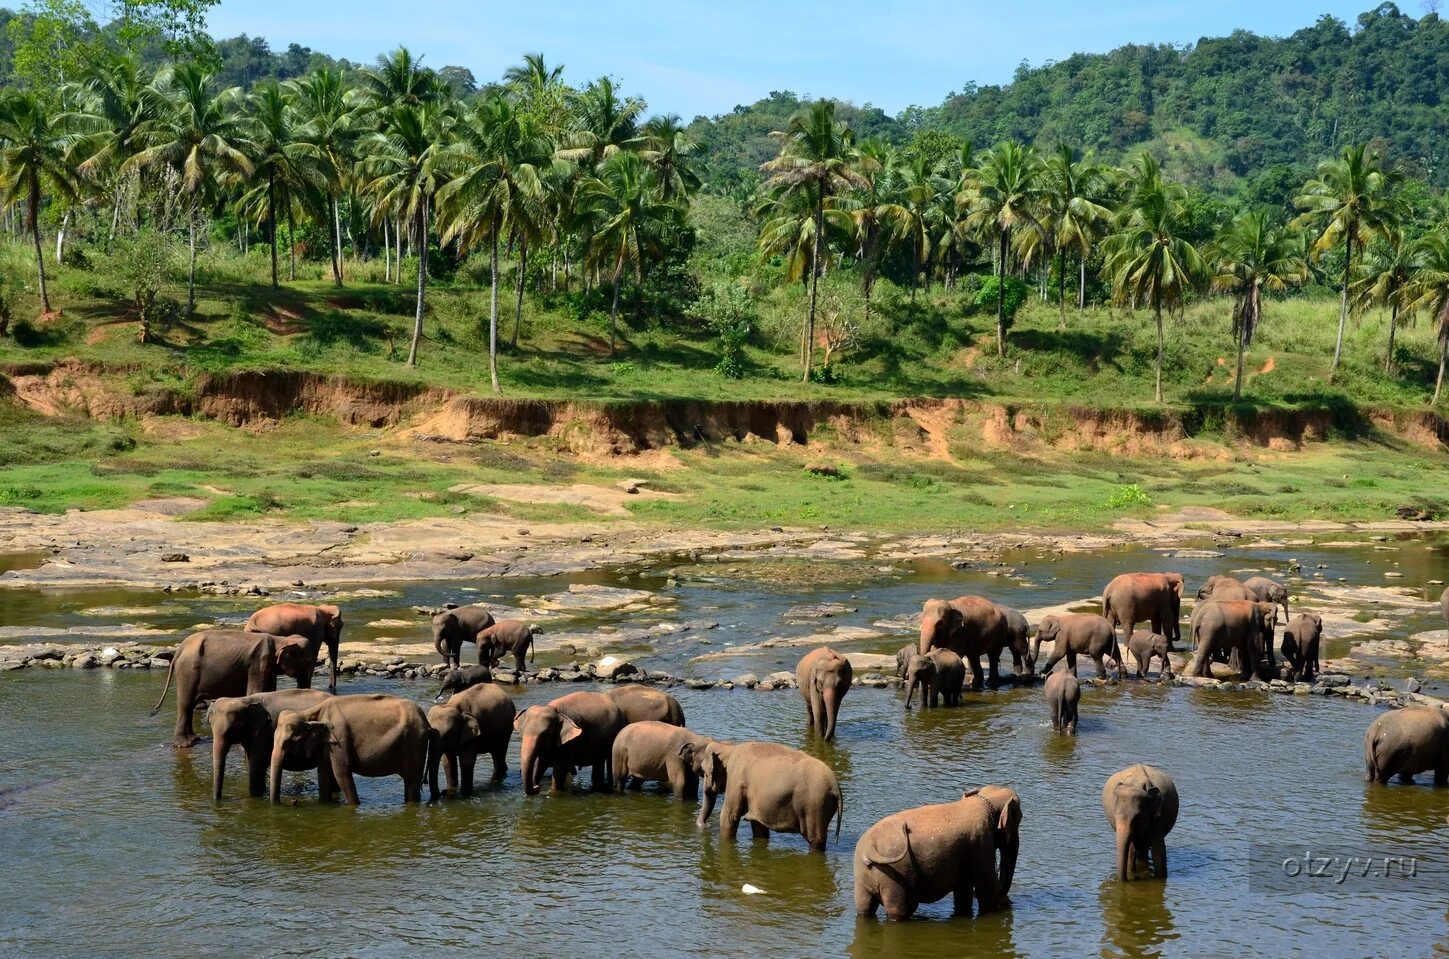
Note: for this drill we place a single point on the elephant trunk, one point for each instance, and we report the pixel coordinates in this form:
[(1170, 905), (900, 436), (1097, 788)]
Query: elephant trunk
[(706, 808), (275, 791), (1033, 653), (532, 764), (911, 690), (1009, 851), (218, 762), (1124, 841), (830, 699)]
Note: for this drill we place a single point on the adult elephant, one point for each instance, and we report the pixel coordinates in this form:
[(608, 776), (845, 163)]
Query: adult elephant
[(1141, 806), (824, 677), (454, 627), (1266, 590), (572, 731), (773, 787), (1015, 638), (925, 854), (1154, 598), (320, 624), (227, 662), (1074, 634), (1237, 626), (652, 751), (969, 626), (1406, 741), (507, 636), (483, 724), (1224, 588), (361, 735), (640, 704), (1301, 638), (250, 722)]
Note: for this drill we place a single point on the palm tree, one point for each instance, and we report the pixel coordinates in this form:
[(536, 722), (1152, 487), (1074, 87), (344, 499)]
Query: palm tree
[(284, 164), (1429, 291), (605, 124), (870, 216), (628, 213), (202, 136), (1075, 213), (1386, 274), (399, 79), (817, 155), (401, 174), (540, 91), (120, 98), (1349, 202), (35, 156), (327, 113), (1004, 194), (667, 149), (496, 192), (1252, 256), (918, 190), (1147, 257)]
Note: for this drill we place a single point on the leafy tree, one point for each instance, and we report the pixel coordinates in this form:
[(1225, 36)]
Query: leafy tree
[(143, 264), (1075, 211), (1004, 194), (285, 168), (728, 311), (1430, 292), (119, 100), (1252, 256), (328, 123), (1386, 276)]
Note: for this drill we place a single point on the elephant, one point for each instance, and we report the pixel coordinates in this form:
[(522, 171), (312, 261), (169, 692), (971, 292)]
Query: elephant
[(227, 662), (1300, 645), (950, 675), (773, 787), (492, 710), (509, 635), (1141, 806), (320, 624), (1155, 598), (1406, 741), (921, 671), (824, 678), (1223, 588), (1018, 631), (369, 734), (1062, 695), (1266, 590), (969, 626), (455, 735), (925, 854), (1240, 625), (454, 627), (1072, 634), (903, 658), (457, 680), (250, 722), (642, 704), (651, 751), (572, 731), (1145, 647)]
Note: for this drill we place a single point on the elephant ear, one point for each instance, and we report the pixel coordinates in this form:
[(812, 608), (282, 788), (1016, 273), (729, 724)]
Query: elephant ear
[(320, 735), (568, 730), (518, 720), (1009, 820), (890, 848), (474, 730)]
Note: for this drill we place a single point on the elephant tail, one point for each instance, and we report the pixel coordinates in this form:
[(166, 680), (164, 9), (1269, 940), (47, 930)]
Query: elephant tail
[(170, 669), (1370, 758), (839, 810)]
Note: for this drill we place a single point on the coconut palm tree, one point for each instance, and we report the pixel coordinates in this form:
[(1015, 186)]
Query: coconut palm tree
[(1075, 212), (35, 158), (496, 192), (1004, 196), (667, 149), (201, 134), (1348, 203), (871, 217), (628, 214), (1252, 256), (1386, 274), (918, 189), (118, 96), (285, 167), (398, 79), (1147, 257), (817, 159), (540, 91), (1429, 291), (604, 124), (328, 113)]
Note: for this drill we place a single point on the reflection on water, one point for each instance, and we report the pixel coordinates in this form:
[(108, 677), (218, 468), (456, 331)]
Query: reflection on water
[(1136, 919)]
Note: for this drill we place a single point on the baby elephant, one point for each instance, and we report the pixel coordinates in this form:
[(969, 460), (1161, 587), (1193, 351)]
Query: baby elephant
[(1141, 806), (250, 722), (773, 787), (950, 675), (931, 852), (1406, 741), (903, 658), (1074, 634), (1062, 694), (457, 680), (652, 751), (921, 671), (1300, 645), (508, 636), (824, 678), (1145, 647)]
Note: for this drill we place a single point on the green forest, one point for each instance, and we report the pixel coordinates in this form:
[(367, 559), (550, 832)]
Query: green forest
[(1156, 224)]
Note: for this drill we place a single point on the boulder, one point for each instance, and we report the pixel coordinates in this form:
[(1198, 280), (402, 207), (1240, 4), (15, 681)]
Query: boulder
[(612, 667), (747, 680)]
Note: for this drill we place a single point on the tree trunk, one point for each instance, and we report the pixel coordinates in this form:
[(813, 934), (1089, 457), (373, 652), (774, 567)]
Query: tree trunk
[(1443, 356), (815, 285), (336, 224), (191, 275), (518, 306), (1001, 293), (272, 223), (493, 312), (398, 251), (386, 254), (34, 217), (422, 224), (1062, 289), (1244, 327), (614, 309), (60, 239), (1343, 300), (291, 244), (1393, 325), (1081, 281), (1157, 310)]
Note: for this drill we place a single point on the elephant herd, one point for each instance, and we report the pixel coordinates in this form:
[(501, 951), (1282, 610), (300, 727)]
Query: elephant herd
[(631, 734)]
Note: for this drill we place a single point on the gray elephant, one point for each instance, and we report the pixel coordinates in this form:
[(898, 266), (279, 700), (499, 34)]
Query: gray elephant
[(454, 627), (320, 624), (345, 736), (1223, 589), (1015, 637), (1300, 645), (1406, 741), (641, 704), (921, 672), (1141, 806), (570, 732), (903, 658), (1063, 692), (651, 751), (1240, 626), (1144, 648), (1074, 634), (950, 675), (773, 787), (506, 636), (492, 712), (824, 677), (227, 662), (969, 626), (925, 854), (1154, 598), (457, 680), (250, 722), (1266, 590)]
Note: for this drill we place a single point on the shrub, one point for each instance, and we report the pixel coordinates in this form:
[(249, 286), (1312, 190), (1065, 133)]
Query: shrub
[(142, 263), (727, 310)]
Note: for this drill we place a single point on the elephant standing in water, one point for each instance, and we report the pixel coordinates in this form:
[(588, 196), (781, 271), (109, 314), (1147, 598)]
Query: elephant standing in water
[(1406, 741), (572, 731), (1266, 590), (1063, 692), (454, 627), (1015, 637), (345, 736), (1145, 647), (477, 720), (250, 722), (969, 626), (1300, 645), (921, 671), (457, 680), (1141, 806), (652, 751), (320, 624), (1154, 598), (640, 704), (1074, 634), (925, 854), (1239, 626), (507, 636), (772, 787), (824, 677), (227, 662)]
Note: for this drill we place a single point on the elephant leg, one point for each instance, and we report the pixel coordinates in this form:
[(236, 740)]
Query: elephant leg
[(978, 681), (500, 761), (1159, 857), (185, 736), (1071, 661), (1101, 666), (899, 904), (810, 709), (866, 901), (326, 784), (450, 771), (933, 695), (759, 832), (343, 774), (1406, 778), (729, 817), (560, 775), (257, 769), (1441, 776), (993, 667), (412, 787), (518, 663)]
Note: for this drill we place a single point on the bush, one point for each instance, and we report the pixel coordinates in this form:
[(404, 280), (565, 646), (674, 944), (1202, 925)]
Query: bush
[(1013, 295), (728, 311), (142, 263)]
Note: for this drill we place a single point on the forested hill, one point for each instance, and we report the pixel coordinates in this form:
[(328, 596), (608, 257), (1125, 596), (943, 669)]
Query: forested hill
[(1223, 113)]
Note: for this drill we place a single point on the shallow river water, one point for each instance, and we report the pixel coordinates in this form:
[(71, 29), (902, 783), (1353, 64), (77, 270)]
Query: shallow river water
[(110, 844)]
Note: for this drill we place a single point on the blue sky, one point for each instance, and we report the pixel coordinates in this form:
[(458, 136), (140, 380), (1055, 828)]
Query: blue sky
[(692, 57)]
